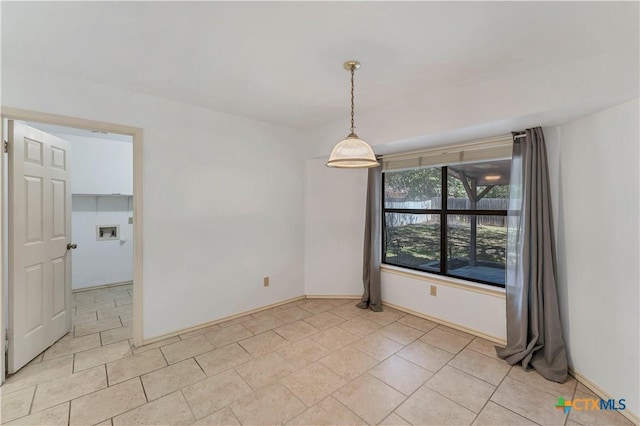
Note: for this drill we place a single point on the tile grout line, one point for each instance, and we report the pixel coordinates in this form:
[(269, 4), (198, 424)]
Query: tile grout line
[(111, 418), (492, 393), (535, 388), (367, 371), (162, 367), (234, 414), (495, 387), (163, 357), (524, 384), (475, 377), (140, 375), (188, 405), (432, 376), (253, 391), (396, 414), (573, 396), (198, 364), (349, 381), (407, 397), (144, 390), (106, 374), (81, 396), (33, 397), (518, 414)]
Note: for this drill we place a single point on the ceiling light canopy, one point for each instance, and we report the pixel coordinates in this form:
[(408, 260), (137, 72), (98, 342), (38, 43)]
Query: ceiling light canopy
[(352, 152)]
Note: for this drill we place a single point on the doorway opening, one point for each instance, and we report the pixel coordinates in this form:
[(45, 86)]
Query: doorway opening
[(104, 282)]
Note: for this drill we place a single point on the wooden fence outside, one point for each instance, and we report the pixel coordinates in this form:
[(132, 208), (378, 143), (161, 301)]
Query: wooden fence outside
[(402, 219)]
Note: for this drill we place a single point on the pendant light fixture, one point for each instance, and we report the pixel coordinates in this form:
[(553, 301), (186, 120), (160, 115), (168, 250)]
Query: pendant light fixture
[(352, 152)]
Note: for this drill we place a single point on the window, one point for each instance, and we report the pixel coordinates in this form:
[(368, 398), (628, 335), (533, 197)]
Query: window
[(448, 220)]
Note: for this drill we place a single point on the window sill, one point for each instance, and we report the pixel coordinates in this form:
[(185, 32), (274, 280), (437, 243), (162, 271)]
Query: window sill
[(446, 281)]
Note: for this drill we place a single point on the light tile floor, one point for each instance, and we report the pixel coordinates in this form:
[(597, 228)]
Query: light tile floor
[(308, 362)]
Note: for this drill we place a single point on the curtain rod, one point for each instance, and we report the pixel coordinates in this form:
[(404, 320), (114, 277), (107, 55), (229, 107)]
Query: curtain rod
[(463, 145), (524, 135)]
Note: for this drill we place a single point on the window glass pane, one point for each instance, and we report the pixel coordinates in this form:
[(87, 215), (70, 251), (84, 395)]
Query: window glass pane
[(413, 240), (479, 186), (488, 234), (413, 189)]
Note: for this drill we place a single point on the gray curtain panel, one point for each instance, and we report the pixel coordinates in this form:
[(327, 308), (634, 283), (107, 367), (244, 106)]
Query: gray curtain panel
[(371, 298), (534, 333)]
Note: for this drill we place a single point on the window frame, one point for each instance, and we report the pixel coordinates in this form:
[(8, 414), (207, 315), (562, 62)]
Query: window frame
[(443, 212)]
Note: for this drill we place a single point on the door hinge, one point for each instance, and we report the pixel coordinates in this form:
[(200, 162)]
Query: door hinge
[(6, 146)]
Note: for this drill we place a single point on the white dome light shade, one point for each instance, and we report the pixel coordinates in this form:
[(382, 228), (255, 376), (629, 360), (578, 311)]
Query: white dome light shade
[(352, 152)]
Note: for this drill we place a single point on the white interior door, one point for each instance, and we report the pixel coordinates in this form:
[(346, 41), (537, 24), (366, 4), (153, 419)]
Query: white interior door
[(39, 231)]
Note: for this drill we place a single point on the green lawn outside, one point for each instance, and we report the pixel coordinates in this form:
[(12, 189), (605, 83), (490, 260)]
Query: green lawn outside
[(414, 245)]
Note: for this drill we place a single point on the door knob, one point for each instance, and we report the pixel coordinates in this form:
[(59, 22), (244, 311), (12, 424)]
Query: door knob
[(71, 246)]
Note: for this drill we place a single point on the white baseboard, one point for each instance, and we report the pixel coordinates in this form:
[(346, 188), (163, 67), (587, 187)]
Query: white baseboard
[(333, 296), (98, 287), (602, 394), (494, 339), (325, 296), (477, 333), (218, 321)]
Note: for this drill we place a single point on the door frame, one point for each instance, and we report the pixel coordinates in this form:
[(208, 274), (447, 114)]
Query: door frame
[(9, 113)]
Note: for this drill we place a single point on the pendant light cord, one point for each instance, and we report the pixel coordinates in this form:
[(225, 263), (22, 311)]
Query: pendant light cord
[(352, 102)]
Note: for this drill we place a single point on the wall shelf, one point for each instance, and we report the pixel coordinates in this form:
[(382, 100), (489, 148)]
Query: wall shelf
[(106, 201)]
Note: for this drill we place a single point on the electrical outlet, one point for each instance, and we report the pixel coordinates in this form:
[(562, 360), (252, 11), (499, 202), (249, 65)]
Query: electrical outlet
[(265, 281), (130, 220), (433, 291)]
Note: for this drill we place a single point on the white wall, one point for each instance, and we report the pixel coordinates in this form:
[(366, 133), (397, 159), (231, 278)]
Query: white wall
[(594, 179), (471, 308), (101, 262), (334, 229), (223, 198), (100, 166)]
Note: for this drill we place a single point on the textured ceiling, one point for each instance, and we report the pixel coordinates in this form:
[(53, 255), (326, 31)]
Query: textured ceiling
[(281, 62)]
